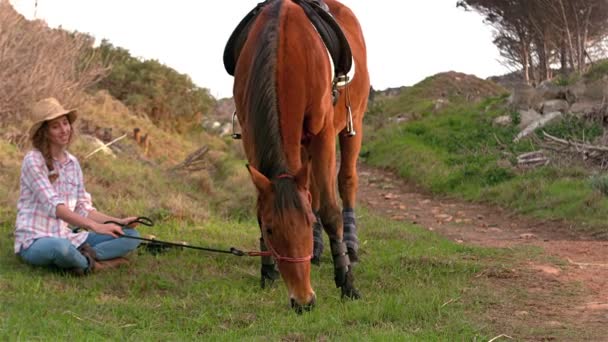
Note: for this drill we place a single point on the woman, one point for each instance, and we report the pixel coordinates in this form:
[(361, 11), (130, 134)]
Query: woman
[(53, 196)]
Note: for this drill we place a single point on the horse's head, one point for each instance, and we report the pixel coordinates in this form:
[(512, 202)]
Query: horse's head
[(286, 218)]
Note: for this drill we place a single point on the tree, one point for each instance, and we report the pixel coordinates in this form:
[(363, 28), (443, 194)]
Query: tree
[(534, 35)]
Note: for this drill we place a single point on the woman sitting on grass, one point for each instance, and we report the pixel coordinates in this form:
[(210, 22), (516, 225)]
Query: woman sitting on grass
[(53, 196)]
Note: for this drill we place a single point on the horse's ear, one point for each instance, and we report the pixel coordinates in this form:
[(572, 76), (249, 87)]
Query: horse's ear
[(259, 180), (303, 175)]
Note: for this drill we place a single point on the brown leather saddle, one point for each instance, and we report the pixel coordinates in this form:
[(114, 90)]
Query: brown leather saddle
[(319, 15)]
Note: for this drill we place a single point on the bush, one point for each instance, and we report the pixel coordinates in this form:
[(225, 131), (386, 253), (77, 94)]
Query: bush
[(38, 62), (598, 71), (600, 183)]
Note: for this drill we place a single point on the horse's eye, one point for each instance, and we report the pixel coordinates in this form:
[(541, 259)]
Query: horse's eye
[(268, 231)]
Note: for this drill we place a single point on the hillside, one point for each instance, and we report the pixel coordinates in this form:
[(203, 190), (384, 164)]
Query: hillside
[(456, 135)]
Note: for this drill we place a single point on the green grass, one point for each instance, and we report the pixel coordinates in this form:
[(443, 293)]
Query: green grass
[(459, 152), (406, 278), (598, 71), (407, 275)]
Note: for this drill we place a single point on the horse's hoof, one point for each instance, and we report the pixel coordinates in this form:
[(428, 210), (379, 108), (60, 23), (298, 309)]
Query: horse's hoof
[(269, 275), (350, 293), (353, 256)]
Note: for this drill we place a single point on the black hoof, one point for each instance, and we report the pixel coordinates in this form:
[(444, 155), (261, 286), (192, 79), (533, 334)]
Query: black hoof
[(350, 293), (316, 260), (269, 275)]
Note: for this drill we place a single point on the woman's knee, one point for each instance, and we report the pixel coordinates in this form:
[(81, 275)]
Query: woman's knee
[(47, 250), (133, 233)]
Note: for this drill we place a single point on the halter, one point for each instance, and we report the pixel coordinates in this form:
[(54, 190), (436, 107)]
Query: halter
[(273, 252), (285, 176), (280, 258)]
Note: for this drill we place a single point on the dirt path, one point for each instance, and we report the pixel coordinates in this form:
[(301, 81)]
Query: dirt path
[(567, 293)]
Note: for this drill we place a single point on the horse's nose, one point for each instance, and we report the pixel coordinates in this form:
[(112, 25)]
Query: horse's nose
[(300, 308)]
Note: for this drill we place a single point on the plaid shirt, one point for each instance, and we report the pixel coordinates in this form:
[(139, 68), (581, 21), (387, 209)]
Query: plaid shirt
[(38, 200)]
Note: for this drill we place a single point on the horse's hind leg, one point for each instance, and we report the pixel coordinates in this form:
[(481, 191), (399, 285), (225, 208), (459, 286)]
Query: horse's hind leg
[(348, 182)]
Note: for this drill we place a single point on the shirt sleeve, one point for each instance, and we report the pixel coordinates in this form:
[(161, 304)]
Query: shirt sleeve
[(35, 176), (84, 203)]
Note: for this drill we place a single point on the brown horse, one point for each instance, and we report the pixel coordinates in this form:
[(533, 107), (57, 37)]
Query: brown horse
[(291, 108)]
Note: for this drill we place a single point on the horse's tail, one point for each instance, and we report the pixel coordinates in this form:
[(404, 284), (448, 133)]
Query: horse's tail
[(262, 94)]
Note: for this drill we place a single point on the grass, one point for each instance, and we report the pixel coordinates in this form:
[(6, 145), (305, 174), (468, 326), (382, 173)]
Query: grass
[(458, 151), (407, 277), (186, 294)]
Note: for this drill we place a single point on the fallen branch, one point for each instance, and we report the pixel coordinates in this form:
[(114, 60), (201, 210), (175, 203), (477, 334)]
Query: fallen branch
[(450, 301), (575, 144), (532, 159), (193, 161), (104, 146), (500, 336), (585, 264)]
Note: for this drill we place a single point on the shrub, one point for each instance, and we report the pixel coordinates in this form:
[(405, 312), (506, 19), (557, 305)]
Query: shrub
[(38, 62), (600, 183)]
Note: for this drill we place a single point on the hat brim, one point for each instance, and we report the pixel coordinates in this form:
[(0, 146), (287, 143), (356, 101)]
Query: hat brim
[(72, 116)]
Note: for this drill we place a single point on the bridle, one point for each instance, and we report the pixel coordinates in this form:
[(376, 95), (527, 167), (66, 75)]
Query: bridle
[(273, 252), (280, 258)]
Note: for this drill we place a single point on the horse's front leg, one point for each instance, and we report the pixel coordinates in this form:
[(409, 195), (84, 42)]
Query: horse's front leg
[(269, 272), (324, 167)]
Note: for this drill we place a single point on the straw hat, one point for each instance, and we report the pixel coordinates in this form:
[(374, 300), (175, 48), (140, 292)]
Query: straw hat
[(49, 109)]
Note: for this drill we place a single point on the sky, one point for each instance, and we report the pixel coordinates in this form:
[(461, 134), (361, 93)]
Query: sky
[(407, 41)]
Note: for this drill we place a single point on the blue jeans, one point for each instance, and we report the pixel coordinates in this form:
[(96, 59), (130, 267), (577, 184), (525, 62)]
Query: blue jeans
[(61, 253)]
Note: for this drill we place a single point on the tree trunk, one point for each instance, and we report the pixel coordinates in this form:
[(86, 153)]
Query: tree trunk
[(563, 59)]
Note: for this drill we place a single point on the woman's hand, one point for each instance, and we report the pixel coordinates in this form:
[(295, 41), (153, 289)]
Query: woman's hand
[(127, 221), (111, 229)]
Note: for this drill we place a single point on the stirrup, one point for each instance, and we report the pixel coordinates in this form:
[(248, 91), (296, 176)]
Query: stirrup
[(350, 129), (235, 136)]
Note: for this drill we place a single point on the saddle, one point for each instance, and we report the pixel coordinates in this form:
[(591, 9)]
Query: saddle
[(318, 13)]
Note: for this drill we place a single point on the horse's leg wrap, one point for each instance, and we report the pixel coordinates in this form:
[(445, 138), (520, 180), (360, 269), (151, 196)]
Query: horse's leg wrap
[(317, 236), (341, 261), (269, 271), (343, 272), (350, 234)]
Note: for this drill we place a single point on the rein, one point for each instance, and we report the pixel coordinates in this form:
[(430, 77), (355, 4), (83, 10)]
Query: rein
[(234, 251)]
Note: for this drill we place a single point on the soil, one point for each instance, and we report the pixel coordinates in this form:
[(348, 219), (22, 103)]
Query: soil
[(564, 296)]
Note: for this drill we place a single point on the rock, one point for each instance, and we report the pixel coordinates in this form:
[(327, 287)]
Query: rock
[(527, 117), (577, 90), (543, 121), (585, 107), (597, 90), (551, 106), (504, 120), (524, 97), (549, 90)]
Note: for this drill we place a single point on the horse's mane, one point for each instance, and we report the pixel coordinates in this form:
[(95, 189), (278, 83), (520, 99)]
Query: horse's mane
[(263, 109)]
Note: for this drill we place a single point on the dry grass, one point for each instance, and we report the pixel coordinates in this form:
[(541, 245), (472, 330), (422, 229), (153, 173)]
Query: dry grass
[(38, 62)]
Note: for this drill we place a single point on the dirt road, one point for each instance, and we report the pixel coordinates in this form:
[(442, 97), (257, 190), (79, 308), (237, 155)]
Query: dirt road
[(566, 295)]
